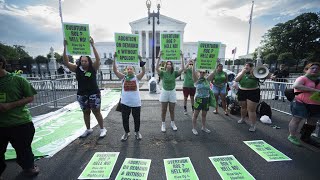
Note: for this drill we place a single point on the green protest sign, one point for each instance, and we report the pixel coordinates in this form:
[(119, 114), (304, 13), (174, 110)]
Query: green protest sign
[(315, 96), (170, 46), (207, 56), (127, 48), (78, 38), (100, 166), (266, 151), (229, 167), (180, 168), (134, 169)]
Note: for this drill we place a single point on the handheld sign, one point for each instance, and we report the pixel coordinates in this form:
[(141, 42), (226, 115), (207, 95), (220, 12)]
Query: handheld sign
[(315, 96), (78, 38), (207, 56), (170, 46), (127, 48)]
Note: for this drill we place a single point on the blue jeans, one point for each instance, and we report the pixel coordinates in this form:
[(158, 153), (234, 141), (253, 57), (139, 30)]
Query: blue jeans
[(282, 87)]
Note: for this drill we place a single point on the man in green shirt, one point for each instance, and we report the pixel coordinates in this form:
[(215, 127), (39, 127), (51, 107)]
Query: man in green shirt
[(16, 124)]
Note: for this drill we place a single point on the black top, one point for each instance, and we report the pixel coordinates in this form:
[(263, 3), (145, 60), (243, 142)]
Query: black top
[(87, 81), (281, 74)]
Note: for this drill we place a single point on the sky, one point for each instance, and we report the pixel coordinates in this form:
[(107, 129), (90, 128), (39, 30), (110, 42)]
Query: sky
[(36, 24)]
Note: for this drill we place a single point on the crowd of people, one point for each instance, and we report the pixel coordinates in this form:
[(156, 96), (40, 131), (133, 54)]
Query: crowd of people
[(17, 128)]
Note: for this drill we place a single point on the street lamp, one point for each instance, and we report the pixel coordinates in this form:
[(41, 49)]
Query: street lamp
[(153, 15)]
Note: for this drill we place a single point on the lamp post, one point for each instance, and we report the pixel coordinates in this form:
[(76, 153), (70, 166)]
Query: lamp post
[(153, 15)]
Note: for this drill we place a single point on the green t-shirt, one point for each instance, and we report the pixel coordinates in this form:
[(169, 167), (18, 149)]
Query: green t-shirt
[(188, 81), (249, 81), (168, 79), (13, 88), (220, 78)]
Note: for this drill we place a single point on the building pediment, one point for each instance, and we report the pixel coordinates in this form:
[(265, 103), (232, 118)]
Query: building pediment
[(164, 22)]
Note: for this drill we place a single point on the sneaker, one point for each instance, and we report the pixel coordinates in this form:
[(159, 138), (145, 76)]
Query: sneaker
[(86, 133), (125, 136), (252, 128), (163, 127), (185, 112), (138, 135), (103, 132), (194, 131), (205, 130), (294, 140), (215, 112), (174, 127), (240, 121), (31, 172)]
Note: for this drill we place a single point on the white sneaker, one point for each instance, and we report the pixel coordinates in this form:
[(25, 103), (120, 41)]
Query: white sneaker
[(138, 135), (195, 132), (174, 127), (185, 112), (125, 136), (103, 132), (240, 121), (205, 130), (252, 128), (163, 127), (86, 133)]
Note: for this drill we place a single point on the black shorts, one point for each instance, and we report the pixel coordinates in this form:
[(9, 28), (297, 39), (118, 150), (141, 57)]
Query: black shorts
[(252, 95)]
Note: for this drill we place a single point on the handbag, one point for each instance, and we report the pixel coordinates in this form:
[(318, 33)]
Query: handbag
[(118, 108)]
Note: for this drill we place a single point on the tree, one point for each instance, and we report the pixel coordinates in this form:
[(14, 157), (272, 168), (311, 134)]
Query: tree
[(286, 58), (300, 36), (270, 58)]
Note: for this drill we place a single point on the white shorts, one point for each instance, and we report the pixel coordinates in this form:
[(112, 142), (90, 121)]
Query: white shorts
[(168, 96)]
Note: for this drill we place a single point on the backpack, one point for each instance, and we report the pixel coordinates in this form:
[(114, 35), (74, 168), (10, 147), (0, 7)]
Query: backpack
[(264, 109), (290, 94)]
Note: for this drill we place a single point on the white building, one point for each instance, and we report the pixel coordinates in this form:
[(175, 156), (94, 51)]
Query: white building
[(144, 30)]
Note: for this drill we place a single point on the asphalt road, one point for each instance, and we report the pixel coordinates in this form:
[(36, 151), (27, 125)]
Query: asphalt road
[(226, 138)]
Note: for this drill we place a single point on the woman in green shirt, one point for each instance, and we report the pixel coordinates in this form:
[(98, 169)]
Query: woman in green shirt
[(188, 86), (219, 88), (202, 96), (168, 92), (248, 95)]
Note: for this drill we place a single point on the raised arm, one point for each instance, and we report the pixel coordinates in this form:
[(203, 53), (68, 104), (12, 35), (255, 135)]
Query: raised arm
[(240, 75), (211, 76), (115, 69), (96, 63), (143, 69), (182, 64), (158, 63), (70, 66), (194, 73)]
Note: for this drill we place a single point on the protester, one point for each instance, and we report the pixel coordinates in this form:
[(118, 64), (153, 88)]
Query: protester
[(303, 107), (279, 78), (188, 86), (219, 88), (130, 97), (16, 124), (168, 92), (88, 94), (201, 98), (248, 95)]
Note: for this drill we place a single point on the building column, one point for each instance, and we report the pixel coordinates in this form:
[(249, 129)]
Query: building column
[(147, 45), (140, 44)]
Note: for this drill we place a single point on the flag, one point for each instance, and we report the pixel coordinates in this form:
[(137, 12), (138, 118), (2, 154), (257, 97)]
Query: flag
[(234, 50)]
